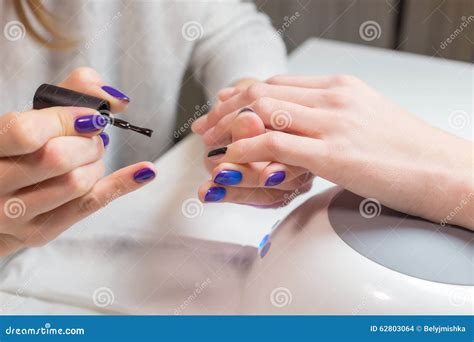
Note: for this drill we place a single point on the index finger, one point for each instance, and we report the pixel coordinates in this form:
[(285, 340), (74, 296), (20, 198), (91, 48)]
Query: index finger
[(27, 132)]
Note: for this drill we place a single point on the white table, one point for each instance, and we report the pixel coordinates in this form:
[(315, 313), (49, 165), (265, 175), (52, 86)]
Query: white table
[(431, 88)]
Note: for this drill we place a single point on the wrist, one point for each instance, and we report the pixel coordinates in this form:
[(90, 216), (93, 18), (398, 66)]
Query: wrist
[(458, 199)]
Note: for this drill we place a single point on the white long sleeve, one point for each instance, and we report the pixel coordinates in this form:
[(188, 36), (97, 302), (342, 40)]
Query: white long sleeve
[(237, 41)]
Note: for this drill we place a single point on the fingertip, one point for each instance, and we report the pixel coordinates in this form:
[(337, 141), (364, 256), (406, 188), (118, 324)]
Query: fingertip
[(199, 126), (144, 172)]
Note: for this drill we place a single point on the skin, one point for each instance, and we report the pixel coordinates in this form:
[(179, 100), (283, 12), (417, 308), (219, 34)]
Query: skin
[(338, 128), (55, 172), (252, 189)]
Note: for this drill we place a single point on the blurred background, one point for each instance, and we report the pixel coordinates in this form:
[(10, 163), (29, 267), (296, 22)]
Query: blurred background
[(419, 26), (438, 28)]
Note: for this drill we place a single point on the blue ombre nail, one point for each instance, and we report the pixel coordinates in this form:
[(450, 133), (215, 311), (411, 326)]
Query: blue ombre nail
[(116, 93), (105, 138), (228, 177), (275, 178), (215, 194), (89, 123), (264, 246), (144, 175)]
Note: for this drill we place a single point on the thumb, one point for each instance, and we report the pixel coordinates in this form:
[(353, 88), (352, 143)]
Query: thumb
[(247, 124)]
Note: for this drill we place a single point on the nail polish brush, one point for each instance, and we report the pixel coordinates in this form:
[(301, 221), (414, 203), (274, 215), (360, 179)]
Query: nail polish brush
[(48, 95)]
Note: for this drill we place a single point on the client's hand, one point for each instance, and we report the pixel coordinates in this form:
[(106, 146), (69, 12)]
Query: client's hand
[(51, 169), (268, 184), (344, 131)]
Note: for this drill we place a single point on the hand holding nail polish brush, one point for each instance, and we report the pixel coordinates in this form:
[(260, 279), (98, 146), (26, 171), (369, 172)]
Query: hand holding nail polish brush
[(51, 161)]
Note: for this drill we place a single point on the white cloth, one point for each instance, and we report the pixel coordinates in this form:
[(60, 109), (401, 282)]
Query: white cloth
[(143, 48)]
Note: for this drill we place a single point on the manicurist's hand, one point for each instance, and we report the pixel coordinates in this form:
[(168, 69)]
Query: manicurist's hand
[(51, 173), (340, 129)]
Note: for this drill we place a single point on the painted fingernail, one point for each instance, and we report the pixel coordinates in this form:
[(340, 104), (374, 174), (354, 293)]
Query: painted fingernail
[(90, 123), (105, 138), (144, 175), (246, 109), (228, 177), (217, 151), (215, 194), (116, 93), (275, 178), (264, 246)]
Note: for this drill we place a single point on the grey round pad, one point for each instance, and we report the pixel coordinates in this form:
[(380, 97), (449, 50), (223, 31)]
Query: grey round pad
[(404, 243)]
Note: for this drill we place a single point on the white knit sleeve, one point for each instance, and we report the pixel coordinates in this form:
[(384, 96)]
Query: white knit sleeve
[(237, 41)]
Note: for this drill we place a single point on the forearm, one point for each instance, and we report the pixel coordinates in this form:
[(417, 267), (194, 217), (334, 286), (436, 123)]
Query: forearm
[(456, 202)]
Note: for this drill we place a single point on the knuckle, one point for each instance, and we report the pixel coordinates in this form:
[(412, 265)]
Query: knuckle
[(336, 98), (344, 79), (52, 158), (22, 133), (77, 182), (90, 203), (83, 74), (256, 90), (274, 142), (263, 105), (275, 79)]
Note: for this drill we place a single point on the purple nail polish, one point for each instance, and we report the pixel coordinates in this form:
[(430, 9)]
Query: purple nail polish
[(144, 175), (90, 123), (215, 194), (116, 93), (275, 178), (246, 109), (228, 177), (105, 138)]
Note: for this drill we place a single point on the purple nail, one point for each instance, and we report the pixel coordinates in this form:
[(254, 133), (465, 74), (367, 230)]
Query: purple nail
[(275, 178), (215, 194), (144, 175), (105, 138), (90, 123), (228, 177), (246, 109), (116, 93)]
